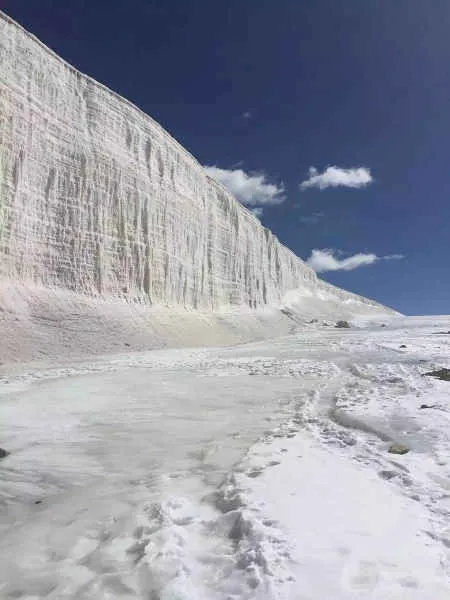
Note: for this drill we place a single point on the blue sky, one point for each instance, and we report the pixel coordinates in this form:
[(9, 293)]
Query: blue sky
[(263, 90)]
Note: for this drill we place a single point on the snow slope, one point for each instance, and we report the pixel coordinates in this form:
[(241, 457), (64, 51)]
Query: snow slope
[(257, 472), (98, 200)]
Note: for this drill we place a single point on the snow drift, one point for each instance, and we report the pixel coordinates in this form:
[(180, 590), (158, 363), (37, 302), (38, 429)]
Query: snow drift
[(99, 201)]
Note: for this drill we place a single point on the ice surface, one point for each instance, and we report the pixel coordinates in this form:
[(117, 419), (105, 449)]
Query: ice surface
[(97, 198), (227, 473)]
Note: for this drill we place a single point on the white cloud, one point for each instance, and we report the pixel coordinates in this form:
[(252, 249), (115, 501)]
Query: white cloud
[(258, 212), (248, 189), (247, 115), (357, 177), (325, 260)]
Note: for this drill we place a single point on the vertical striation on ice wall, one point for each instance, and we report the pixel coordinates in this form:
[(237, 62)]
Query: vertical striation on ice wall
[(97, 198)]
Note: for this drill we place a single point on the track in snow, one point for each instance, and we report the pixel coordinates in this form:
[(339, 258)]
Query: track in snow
[(123, 478)]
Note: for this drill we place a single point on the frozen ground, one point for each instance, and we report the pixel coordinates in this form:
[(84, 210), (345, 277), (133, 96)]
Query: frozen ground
[(258, 471)]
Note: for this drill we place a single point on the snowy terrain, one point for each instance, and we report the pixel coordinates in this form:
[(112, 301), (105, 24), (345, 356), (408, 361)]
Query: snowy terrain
[(249, 471), (258, 471)]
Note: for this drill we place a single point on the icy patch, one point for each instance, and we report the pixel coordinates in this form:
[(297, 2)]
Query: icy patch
[(138, 476)]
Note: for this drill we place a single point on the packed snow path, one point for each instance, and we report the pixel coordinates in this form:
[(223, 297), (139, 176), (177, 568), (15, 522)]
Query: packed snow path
[(258, 471)]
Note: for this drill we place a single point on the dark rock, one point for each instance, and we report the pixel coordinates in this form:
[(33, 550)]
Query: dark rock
[(398, 449), (403, 346), (383, 325), (428, 406), (442, 374), (127, 344), (342, 325), (38, 502), (387, 474), (3, 453)]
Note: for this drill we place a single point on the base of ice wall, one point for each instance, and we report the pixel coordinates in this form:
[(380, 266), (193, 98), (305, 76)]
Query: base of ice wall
[(38, 323)]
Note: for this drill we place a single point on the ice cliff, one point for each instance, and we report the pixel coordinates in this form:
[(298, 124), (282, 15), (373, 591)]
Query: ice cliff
[(98, 199)]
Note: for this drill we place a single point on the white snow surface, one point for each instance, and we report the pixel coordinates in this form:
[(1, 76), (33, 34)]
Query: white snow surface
[(98, 202), (258, 471)]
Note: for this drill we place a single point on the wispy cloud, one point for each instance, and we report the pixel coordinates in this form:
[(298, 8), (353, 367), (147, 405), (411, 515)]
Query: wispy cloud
[(253, 190), (393, 256), (258, 212), (326, 260), (311, 219), (356, 177), (247, 115)]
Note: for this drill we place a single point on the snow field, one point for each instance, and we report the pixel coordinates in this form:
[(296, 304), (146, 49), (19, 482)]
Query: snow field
[(253, 472)]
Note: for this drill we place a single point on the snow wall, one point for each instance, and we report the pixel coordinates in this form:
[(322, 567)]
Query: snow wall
[(97, 199)]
